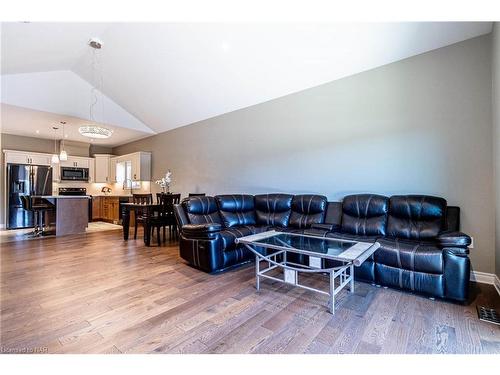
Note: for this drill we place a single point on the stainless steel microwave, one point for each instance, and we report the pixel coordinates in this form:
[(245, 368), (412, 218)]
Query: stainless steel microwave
[(74, 174)]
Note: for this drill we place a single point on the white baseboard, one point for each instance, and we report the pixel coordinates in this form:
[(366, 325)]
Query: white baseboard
[(486, 278), (2, 226), (482, 277)]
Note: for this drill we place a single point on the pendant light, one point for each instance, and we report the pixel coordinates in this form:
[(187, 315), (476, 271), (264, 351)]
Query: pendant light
[(55, 157), (63, 155), (93, 130)]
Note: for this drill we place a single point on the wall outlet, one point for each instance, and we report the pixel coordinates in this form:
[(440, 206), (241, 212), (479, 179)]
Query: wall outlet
[(471, 246)]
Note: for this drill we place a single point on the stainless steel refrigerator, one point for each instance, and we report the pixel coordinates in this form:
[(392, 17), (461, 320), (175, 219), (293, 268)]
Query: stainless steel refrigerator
[(25, 180)]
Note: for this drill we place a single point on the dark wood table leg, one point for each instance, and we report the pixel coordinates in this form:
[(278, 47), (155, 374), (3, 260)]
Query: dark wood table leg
[(147, 228), (125, 222)]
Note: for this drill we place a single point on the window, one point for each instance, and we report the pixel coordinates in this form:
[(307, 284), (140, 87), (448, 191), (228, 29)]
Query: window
[(124, 175)]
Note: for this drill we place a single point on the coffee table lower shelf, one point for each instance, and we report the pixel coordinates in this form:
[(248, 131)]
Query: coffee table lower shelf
[(341, 275)]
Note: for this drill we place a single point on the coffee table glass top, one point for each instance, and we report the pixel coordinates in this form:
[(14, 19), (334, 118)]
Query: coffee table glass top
[(329, 248)]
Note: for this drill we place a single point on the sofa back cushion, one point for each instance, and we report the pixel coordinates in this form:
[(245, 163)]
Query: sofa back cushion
[(365, 214), (201, 210), (236, 209), (417, 217), (333, 214), (273, 209), (307, 209)]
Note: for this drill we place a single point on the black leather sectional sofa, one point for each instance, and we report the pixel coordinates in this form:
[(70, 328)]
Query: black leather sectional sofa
[(421, 249)]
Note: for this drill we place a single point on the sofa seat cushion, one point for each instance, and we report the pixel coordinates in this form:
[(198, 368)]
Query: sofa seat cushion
[(416, 256), (229, 235), (273, 209), (307, 209), (352, 237), (258, 228), (290, 230), (365, 214), (416, 217), (236, 209)]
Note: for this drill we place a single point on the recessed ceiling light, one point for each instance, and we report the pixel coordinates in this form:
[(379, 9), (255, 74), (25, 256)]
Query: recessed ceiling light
[(65, 136), (225, 46), (37, 132)]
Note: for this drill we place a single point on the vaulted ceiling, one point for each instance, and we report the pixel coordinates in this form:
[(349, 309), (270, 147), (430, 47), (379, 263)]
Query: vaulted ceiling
[(160, 76)]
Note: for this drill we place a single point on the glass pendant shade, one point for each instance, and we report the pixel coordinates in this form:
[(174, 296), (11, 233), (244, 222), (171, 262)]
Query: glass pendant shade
[(55, 159), (63, 156)]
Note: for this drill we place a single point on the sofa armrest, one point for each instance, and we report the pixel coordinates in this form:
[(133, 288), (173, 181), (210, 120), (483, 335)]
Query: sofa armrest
[(326, 227), (458, 251), (453, 239), (201, 231)]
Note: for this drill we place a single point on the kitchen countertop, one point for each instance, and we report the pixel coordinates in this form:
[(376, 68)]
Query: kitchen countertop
[(112, 195), (62, 196)]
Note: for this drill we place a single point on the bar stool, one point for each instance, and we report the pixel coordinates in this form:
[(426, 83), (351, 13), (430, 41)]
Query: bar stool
[(39, 209), (26, 204), (40, 206)]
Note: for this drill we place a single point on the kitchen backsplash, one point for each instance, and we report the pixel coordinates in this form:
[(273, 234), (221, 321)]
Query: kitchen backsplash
[(95, 188)]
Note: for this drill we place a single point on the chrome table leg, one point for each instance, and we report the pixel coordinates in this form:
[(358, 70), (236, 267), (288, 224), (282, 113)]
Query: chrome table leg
[(331, 303), (351, 271), (257, 271)]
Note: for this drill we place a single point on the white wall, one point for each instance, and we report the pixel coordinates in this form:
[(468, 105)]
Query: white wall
[(421, 125)]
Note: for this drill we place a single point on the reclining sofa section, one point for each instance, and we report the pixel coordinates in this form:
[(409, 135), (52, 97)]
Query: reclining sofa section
[(421, 249)]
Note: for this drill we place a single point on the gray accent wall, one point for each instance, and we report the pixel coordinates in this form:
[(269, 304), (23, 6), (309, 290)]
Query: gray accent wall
[(421, 125), (496, 134)]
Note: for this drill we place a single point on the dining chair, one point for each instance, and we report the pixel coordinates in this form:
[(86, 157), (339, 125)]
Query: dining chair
[(166, 216), (139, 212)]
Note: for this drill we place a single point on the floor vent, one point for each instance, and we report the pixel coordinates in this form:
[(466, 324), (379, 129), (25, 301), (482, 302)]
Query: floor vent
[(488, 315)]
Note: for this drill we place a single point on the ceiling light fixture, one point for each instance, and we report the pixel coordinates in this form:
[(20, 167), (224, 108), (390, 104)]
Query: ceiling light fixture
[(55, 157), (63, 155), (95, 131)]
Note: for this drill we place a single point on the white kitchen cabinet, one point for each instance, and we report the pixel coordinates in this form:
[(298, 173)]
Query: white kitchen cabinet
[(135, 166), (141, 166), (103, 168), (76, 162), (22, 157), (112, 169)]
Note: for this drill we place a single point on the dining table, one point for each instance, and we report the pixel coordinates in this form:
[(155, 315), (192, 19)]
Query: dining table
[(147, 209)]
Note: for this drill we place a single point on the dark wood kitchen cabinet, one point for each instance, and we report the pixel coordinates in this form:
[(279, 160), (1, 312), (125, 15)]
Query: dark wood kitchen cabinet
[(96, 208), (106, 208)]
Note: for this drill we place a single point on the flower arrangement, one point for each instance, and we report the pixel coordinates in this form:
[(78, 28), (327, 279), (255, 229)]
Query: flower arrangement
[(165, 182)]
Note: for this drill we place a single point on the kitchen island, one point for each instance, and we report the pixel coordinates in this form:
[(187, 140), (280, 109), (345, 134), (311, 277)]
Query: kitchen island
[(69, 216)]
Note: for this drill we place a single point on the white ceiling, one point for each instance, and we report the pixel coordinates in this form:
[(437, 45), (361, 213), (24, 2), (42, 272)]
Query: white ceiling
[(34, 123), (65, 93), (169, 75)]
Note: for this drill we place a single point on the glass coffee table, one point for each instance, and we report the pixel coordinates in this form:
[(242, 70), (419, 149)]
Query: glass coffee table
[(275, 247)]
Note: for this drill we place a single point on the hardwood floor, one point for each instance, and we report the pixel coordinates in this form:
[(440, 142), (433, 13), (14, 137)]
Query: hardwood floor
[(95, 293)]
